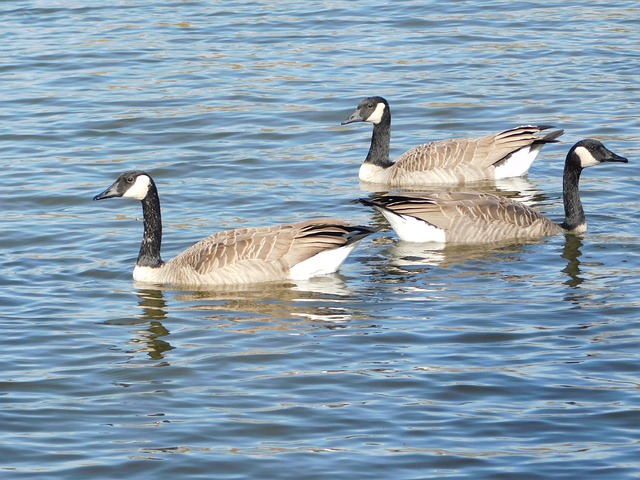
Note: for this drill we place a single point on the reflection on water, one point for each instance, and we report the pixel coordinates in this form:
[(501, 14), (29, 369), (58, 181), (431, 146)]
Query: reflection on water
[(333, 284), (319, 299), (515, 361), (153, 304), (584, 291), (571, 253), (150, 339), (518, 188), (151, 342), (407, 254), (322, 301)]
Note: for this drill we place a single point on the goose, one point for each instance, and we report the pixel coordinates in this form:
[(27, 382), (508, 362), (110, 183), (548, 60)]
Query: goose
[(297, 251), (467, 217), (460, 160)]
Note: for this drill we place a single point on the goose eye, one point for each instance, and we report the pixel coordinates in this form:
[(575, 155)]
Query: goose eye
[(129, 179)]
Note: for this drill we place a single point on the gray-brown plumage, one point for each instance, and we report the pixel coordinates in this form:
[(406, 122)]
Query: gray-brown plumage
[(257, 254), (501, 155), (463, 217), (245, 255)]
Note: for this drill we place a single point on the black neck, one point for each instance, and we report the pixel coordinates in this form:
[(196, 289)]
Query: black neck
[(573, 211), (380, 141), (149, 255)]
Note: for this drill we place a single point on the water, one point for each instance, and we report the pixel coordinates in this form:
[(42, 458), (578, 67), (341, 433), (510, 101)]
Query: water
[(514, 362)]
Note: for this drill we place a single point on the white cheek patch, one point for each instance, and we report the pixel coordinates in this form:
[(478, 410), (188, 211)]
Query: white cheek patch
[(139, 189), (586, 159), (376, 116)]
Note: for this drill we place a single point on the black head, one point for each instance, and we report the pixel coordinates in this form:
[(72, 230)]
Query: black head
[(130, 184), (590, 152), (370, 109)]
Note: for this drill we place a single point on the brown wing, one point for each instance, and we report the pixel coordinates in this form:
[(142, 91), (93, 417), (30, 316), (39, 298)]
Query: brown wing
[(472, 217), (285, 244), (481, 152)]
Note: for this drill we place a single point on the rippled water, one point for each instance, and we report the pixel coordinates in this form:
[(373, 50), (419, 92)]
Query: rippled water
[(513, 362)]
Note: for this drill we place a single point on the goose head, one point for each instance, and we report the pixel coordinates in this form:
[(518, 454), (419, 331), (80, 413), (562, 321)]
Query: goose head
[(134, 184), (370, 109), (590, 152)]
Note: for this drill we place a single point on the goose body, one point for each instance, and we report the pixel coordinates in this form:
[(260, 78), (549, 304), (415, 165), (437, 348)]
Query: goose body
[(295, 251), (505, 154), (467, 217)]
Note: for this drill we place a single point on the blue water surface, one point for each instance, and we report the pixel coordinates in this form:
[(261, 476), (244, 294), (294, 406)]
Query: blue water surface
[(504, 362)]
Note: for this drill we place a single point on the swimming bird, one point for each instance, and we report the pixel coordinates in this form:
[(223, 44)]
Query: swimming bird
[(296, 251), (460, 160), (463, 217)]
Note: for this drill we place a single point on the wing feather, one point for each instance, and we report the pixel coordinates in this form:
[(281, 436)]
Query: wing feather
[(470, 217), (482, 152), (279, 247)]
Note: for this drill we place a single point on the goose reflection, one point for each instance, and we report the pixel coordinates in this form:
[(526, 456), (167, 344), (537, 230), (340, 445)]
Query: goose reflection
[(152, 303), (571, 252), (405, 255), (518, 188), (318, 299), (324, 302), (149, 339)]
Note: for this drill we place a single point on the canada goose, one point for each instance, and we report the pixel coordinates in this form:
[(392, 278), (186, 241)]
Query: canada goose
[(246, 255), (459, 160), (459, 217)]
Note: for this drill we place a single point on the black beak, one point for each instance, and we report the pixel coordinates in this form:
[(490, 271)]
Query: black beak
[(614, 157), (353, 118), (108, 193)]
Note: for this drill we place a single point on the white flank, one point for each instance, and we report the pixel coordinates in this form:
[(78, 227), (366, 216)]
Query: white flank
[(139, 189), (376, 116), (518, 164), (410, 229), (586, 159), (323, 263)]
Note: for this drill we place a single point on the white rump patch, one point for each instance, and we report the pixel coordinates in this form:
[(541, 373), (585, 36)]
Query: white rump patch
[(323, 263), (376, 116), (518, 164), (139, 189), (586, 159), (410, 229)]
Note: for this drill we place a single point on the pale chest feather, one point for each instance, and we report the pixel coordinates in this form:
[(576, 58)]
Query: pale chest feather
[(373, 173), (580, 229)]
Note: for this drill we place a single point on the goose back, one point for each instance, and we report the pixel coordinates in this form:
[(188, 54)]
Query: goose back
[(461, 160), (462, 217)]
